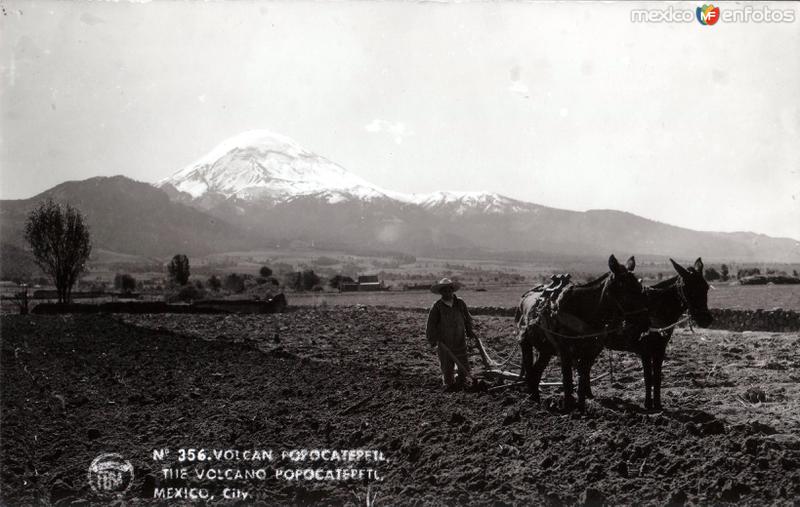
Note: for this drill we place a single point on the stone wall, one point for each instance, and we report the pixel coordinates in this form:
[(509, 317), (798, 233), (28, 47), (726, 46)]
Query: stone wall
[(777, 320), (275, 305), (756, 320)]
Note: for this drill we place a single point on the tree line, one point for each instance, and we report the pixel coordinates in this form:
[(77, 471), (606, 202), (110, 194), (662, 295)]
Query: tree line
[(61, 245)]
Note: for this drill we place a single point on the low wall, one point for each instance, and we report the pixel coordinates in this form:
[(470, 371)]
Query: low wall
[(275, 305), (756, 320), (779, 321), (733, 320), (116, 307)]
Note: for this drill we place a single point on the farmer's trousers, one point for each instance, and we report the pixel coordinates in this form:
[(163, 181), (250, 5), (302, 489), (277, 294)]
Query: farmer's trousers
[(448, 365)]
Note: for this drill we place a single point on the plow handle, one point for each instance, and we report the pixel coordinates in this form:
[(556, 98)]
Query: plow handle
[(449, 352), (487, 362)]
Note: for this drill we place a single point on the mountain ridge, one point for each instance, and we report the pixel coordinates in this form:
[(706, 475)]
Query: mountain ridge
[(135, 217), (262, 189), (325, 197), (128, 216)]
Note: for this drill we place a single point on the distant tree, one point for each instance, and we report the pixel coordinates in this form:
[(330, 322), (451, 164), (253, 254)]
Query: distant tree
[(124, 282), (179, 269), (234, 283), (294, 280), (711, 274), (794, 273), (59, 238), (302, 280), (199, 284), (747, 272), (309, 279), (187, 293), (214, 283), (337, 280), (724, 272), (265, 272)]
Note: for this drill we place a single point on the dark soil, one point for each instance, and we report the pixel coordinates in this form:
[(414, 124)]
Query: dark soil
[(74, 387)]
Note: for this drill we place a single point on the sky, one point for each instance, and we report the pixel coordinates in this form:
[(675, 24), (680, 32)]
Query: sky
[(568, 105)]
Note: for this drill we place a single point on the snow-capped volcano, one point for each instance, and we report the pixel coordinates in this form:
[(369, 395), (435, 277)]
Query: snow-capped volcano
[(260, 164), (260, 189)]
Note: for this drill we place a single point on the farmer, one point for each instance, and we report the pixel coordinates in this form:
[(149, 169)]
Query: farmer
[(448, 323)]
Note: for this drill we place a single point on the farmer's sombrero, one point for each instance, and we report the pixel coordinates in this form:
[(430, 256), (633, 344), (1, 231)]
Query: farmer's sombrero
[(444, 282)]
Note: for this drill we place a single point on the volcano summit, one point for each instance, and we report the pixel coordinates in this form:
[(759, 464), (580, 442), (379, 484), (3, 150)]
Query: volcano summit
[(259, 165)]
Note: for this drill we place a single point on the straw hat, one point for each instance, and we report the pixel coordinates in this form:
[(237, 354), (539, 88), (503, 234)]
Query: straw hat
[(444, 282)]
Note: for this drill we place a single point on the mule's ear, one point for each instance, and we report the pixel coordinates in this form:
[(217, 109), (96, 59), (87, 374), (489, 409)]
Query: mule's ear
[(698, 265), (631, 264), (680, 269), (613, 265)]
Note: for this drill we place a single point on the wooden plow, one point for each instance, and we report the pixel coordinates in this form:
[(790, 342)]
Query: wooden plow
[(497, 372)]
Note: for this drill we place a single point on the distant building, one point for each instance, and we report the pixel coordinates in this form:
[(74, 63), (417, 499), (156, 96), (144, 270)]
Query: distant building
[(365, 283), (369, 283), (150, 283)]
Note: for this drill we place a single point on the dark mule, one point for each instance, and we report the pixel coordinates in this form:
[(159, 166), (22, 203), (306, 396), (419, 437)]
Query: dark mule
[(666, 301), (575, 325)]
